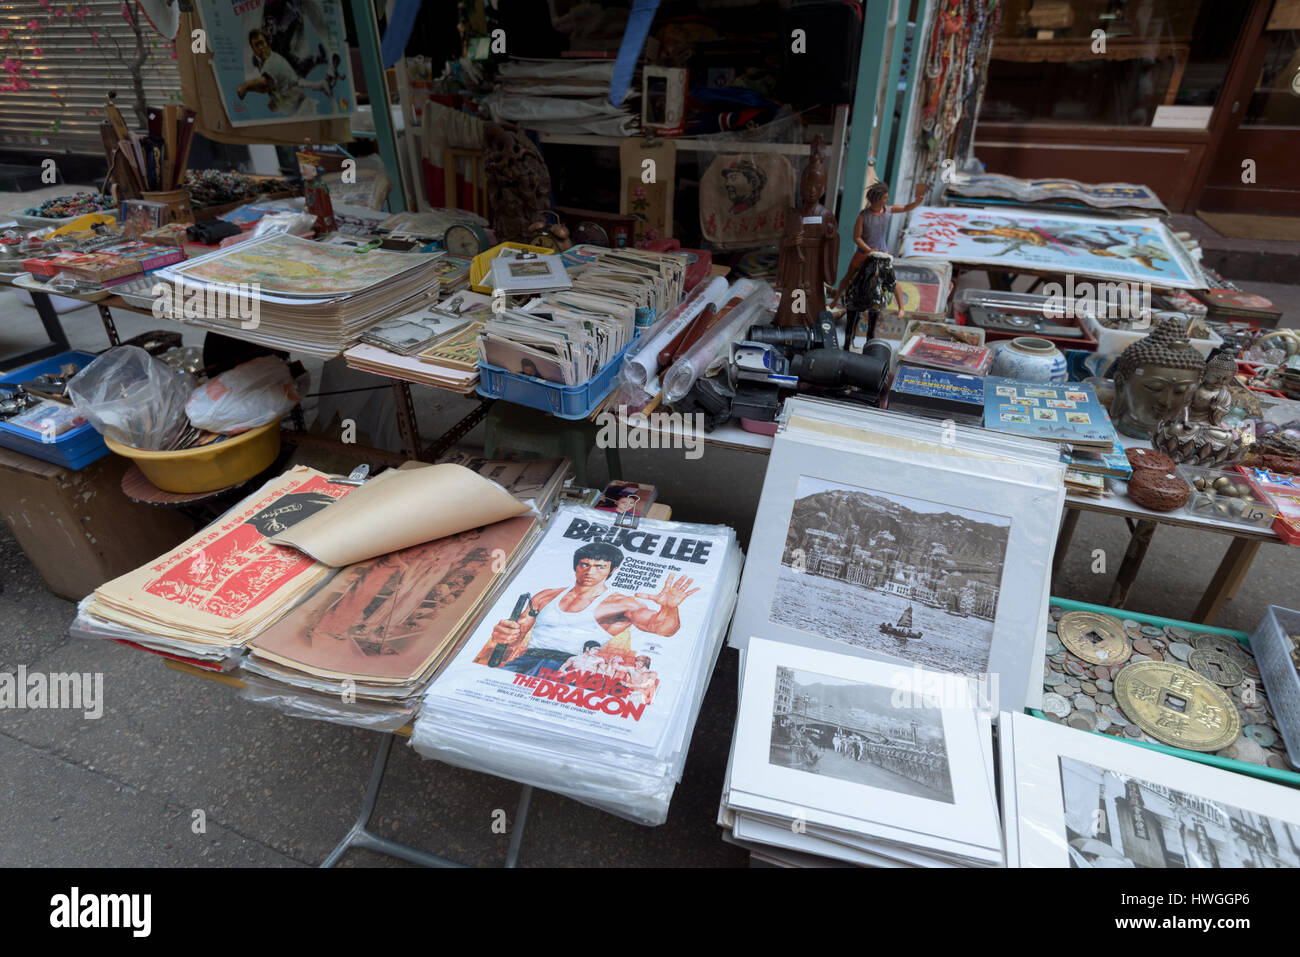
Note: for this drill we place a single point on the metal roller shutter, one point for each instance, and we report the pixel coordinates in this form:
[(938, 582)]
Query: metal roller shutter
[(55, 113)]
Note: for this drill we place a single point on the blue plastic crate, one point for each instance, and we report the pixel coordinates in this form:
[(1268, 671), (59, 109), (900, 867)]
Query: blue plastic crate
[(74, 449), (563, 401)]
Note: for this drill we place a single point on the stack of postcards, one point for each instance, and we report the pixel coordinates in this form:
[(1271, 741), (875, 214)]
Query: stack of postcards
[(859, 761), (435, 344), (586, 676), (291, 293), (1076, 799)]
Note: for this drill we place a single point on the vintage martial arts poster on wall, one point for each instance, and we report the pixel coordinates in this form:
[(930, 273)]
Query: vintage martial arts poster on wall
[(277, 60), (1132, 250), (598, 632)]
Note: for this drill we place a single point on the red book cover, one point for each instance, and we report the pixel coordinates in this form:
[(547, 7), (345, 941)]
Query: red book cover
[(943, 354)]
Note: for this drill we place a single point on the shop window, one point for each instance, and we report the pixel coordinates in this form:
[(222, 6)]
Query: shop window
[(1050, 65)]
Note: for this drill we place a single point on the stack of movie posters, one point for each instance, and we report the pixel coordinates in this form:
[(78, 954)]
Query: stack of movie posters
[(586, 676), (1076, 799), (291, 293), (210, 595), (860, 761)]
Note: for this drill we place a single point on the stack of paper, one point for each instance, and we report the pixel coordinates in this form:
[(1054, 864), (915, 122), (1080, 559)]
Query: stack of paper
[(213, 593), (561, 96), (295, 294), (586, 676), (1076, 799), (860, 761), (452, 273), (435, 345)]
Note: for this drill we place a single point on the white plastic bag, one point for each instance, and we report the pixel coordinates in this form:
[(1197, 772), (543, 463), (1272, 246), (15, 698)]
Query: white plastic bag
[(252, 394), (132, 398)]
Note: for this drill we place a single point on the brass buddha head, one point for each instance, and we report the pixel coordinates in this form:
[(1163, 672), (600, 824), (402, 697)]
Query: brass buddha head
[(1154, 378)]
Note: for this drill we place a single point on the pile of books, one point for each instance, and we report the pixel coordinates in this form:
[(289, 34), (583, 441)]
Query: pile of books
[(587, 674)]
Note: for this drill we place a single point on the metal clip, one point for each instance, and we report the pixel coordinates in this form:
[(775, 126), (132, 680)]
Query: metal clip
[(357, 477)]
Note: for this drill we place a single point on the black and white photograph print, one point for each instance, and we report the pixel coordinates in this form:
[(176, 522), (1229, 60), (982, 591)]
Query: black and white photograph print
[(899, 576), (854, 732), (1112, 820)]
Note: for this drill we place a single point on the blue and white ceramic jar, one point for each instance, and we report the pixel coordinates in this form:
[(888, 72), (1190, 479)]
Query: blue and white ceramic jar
[(1028, 358)]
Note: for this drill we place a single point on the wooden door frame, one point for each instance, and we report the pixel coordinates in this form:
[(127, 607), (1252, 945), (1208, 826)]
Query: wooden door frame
[(1224, 118)]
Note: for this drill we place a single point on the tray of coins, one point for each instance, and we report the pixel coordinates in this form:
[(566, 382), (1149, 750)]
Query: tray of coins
[(1185, 689)]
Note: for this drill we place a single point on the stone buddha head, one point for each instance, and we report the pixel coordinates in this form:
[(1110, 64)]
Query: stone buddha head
[(1154, 378)]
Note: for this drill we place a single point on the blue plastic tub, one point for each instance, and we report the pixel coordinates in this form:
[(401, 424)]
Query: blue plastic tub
[(563, 401), (74, 449)]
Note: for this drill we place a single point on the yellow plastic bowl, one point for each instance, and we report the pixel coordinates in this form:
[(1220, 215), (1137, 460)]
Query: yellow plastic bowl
[(208, 467)]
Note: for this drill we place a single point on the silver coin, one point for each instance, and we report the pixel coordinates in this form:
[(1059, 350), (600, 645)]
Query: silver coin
[(1055, 678), (1064, 690), (1132, 731), (1102, 723), (1279, 762), (1054, 647), (1056, 704), (1137, 657), (1182, 634), (1180, 650), (1230, 752), (1055, 611), (1082, 720), (1087, 687), (1249, 751), (1104, 685), (1131, 623), (1114, 715), (1104, 697), (1084, 703), (1072, 681), (1151, 631), (1051, 627)]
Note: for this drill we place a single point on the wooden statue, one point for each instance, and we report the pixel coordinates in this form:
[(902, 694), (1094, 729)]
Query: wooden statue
[(518, 183), (810, 249)]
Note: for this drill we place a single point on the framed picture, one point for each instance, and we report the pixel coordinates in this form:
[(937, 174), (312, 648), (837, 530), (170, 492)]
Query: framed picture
[(904, 551), (663, 99), (1074, 799)]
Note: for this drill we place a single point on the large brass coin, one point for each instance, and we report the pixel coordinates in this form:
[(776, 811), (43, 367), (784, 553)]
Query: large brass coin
[(1094, 637), (1219, 668), (1177, 706)]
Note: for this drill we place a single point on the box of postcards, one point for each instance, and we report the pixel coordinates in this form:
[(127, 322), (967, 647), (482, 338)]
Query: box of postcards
[(1185, 689), (1225, 496), (562, 401), (1277, 649)]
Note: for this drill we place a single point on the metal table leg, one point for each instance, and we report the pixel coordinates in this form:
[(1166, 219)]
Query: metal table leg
[(110, 327), (407, 426), (53, 331), (517, 832), (457, 431), (359, 836), (1132, 564)]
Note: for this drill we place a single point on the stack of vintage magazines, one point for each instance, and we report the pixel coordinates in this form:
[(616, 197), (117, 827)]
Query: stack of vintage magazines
[(411, 581), (210, 595), (291, 293), (435, 345), (587, 674), (1075, 799), (859, 761)]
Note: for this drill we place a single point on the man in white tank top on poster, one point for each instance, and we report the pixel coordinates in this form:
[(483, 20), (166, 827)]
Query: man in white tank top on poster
[(560, 622)]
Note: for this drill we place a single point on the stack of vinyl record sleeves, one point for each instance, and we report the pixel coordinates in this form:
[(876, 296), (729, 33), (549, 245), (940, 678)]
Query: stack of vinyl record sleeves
[(291, 293), (586, 676), (859, 761)]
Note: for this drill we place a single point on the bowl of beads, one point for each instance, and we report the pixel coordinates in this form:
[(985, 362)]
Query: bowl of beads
[(1226, 496)]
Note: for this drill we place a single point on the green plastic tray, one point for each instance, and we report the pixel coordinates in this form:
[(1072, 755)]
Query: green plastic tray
[(1289, 778)]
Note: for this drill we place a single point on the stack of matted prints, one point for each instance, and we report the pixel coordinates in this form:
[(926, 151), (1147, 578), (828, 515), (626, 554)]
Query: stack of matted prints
[(902, 539), (859, 761), (442, 357), (1076, 799), (291, 293), (586, 676)]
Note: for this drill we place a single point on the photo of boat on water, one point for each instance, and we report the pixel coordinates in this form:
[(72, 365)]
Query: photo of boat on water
[(899, 576)]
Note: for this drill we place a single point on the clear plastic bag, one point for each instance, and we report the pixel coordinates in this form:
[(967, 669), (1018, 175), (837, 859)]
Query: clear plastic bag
[(250, 395), (132, 398)]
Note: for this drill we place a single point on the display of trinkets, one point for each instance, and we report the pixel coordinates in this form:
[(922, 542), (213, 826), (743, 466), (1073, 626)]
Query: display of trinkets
[(1226, 496), (1169, 685), (67, 207)]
